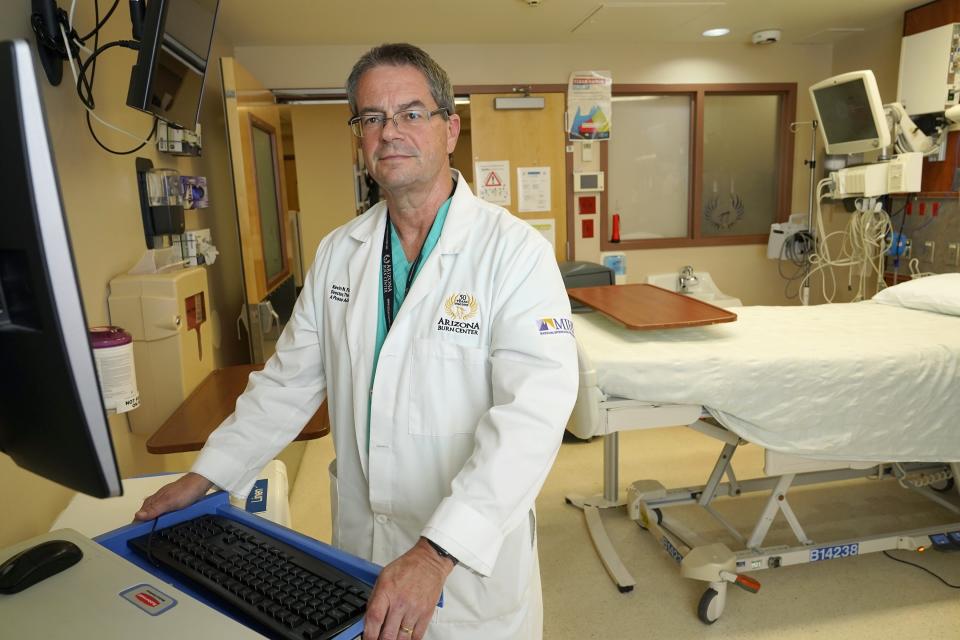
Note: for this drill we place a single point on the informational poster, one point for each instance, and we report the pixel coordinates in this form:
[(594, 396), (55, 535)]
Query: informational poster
[(589, 102), (547, 228), (533, 189), (493, 181)]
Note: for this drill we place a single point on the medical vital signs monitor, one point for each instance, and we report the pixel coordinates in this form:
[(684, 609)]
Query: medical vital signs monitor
[(851, 114), (52, 420)]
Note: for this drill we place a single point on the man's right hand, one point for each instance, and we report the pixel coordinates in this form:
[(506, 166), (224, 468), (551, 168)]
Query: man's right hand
[(176, 495)]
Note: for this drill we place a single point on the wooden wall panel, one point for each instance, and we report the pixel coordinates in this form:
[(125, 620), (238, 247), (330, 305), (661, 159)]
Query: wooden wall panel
[(930, 16)]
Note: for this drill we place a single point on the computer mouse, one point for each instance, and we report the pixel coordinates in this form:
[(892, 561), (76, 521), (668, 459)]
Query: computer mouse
[(32, 565)]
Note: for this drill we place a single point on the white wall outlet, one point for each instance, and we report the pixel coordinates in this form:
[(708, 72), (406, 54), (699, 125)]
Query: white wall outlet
[(953, 253)]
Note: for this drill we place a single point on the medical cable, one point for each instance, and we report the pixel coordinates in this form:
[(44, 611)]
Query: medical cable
[(863, 244), (899, 238), (924, 225), (99, 22), (915, 272), (93, 74), (922, 478), (914, 564), (150, 543), (795, 250), (82, 82)]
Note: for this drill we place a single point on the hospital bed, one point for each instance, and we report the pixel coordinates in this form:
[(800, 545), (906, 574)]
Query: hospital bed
[(831, 392)]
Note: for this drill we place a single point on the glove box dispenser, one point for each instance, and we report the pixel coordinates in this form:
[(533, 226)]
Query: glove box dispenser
[(168, 316)]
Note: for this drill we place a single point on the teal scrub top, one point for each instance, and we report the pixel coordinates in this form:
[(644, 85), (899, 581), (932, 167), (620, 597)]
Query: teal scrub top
[(401, 269)]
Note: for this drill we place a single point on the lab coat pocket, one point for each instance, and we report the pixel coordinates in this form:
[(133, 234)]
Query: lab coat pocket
[(449, 388)]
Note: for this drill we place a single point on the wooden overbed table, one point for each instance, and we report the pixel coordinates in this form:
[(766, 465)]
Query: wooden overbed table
[(210, 404), (644, 307)]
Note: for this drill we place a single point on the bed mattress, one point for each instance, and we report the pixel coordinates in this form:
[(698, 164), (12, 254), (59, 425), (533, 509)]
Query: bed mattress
[(861, 381)]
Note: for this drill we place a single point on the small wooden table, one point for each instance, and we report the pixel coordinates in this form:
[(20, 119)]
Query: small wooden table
[(209, 405), (645, 307)]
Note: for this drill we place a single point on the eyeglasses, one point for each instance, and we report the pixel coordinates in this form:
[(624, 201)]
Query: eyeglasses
[(406, 120)]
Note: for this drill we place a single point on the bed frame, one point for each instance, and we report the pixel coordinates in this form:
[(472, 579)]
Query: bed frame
[(648, 501)]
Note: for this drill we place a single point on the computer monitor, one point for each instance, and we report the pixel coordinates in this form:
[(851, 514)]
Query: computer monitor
[(851, 114), (167, 80), (52, 420)]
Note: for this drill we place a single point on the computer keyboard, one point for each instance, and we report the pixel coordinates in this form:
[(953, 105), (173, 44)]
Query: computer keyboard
[(274, 587)]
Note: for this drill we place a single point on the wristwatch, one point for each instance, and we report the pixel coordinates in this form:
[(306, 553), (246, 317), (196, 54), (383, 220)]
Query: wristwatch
[(443, 553)]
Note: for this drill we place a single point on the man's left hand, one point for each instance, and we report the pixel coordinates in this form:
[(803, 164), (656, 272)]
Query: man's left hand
[(405, 595)]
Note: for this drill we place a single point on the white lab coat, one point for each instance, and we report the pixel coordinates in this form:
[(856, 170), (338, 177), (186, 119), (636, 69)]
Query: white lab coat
[(475, 382)]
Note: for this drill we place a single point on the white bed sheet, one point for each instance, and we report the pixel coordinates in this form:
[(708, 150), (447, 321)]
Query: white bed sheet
[(861, 381)]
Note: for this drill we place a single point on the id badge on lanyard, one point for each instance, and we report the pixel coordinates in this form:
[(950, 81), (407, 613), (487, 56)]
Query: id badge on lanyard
[(387, 270)]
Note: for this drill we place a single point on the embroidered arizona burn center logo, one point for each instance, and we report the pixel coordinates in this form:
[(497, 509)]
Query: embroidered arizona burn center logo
[(459, 313)]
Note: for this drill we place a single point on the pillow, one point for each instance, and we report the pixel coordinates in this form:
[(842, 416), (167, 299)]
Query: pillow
[(939, 293)]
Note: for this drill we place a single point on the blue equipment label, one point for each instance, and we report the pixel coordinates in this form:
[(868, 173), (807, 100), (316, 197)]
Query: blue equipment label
[(835, 552), (257, 500), (672, 550)]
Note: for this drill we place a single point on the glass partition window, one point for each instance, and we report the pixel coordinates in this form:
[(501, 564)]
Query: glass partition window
[(649, 166), (268, 200), (698, 165), (740, 177)]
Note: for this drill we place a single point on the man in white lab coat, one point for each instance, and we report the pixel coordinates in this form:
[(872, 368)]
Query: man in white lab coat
[(438, 328)]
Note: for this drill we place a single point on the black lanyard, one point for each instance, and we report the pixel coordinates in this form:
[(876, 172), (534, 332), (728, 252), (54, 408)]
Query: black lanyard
[(387, 263)]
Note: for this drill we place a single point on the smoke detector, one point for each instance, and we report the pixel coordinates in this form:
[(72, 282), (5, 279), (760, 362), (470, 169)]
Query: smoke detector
[(766, 36)]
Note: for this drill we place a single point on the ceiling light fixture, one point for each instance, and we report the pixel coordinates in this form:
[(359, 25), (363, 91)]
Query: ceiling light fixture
[(716, 33)]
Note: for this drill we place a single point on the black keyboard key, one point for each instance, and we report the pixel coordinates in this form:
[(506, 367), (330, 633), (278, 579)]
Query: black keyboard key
[(311, 632), (354, 600), (327, 623), (293, 621)]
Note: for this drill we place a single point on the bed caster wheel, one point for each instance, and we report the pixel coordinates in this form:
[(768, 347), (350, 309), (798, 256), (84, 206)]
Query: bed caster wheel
[(643, 521), (943, 487), (710, 607)]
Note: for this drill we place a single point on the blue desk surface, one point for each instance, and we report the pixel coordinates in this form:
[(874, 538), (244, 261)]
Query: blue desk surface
[(219, 504)]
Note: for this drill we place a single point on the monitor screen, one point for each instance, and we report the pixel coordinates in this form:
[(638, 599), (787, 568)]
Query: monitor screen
[(846, 112), (52, 420), (172, 62), (850, 112)]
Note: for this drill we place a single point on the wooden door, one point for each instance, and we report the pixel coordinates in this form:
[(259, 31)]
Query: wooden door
[(256, 155), (256, 158), (526, 138)]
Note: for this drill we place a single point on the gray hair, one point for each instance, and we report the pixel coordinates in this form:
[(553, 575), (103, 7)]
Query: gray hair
[(398, 55)]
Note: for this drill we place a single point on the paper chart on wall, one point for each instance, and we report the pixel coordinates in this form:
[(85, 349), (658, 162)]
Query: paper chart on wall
[(493, 181), (547, 228), (533, 189)]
